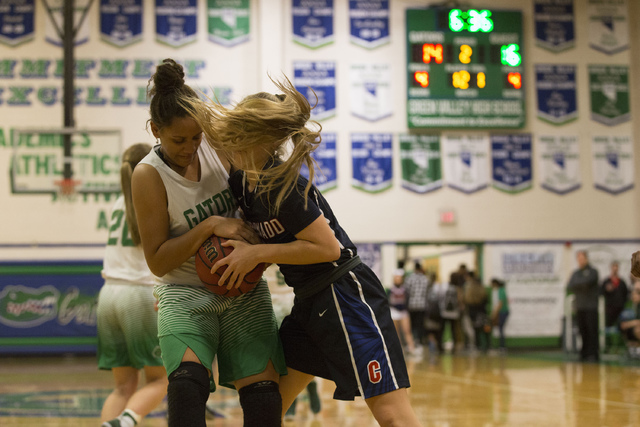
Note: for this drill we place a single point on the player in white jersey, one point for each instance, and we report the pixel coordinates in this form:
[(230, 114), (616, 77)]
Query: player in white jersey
[(182, 197), (127, 320)]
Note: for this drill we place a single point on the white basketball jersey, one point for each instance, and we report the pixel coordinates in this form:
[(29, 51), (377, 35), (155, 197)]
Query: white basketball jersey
[(124, 262), (191, 202)]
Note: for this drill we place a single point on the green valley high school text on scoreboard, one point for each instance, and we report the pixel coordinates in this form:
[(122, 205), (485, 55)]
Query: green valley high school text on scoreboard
[(464, 68)]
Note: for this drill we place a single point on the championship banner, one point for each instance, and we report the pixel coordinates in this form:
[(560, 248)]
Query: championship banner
[(317, 82), (512, 169), (121, 22), (326, 177), (371, 97), (228, 21), (613, 169), (16, 21), (372, 155), (535, 284), (369, 23), (81, 34), (421, 163), (176, 23), (312, 22), (554, 23), (609, 90), (559, 163), (556, 89), (608, 25), (466, 161)]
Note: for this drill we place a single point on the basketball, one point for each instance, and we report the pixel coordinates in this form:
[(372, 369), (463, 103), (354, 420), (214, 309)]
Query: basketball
[(208, 254)]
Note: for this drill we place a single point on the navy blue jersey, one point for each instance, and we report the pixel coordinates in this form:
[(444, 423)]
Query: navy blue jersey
[(290, 220)]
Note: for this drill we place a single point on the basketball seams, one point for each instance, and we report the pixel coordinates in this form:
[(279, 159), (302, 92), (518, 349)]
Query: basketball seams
[(213, 246)]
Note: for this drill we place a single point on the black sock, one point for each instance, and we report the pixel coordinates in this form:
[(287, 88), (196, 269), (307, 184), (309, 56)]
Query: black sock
[(187, 395), (262, 404)]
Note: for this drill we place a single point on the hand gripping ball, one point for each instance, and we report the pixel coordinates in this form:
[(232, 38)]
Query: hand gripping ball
[(208, 254)]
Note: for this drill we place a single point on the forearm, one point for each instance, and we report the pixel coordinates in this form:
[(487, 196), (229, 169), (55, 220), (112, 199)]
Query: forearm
[(174, 252), (298, 252), (496, 309), (629, 324)]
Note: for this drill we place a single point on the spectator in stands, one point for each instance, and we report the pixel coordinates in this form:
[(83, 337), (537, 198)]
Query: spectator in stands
[(398, 304), (616, 294), (630, 322), (499, 310), (416, 284), (399, 273), (434, 322), (451, 308), (584, 284), (475, 301)]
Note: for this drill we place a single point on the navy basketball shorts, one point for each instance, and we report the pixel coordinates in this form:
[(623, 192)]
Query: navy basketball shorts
[(345, 334)]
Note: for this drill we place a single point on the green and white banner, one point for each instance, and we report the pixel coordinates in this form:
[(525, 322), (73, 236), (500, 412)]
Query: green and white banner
[(228, 21), (608, 25), (466, 161), (371, 91), (559, 163), (609, 90), (613, 169), (421, 162)]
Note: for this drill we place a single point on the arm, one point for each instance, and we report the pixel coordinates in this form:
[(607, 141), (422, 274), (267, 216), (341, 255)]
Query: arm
[(627, 324), (315, 244), (162, 253), (635, 264), (495, 309)]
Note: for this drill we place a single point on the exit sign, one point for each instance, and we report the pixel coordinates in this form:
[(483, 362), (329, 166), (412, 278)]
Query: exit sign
[(447, 217)]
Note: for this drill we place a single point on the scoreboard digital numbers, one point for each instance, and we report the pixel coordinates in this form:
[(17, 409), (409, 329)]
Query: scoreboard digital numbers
[(464, 68)]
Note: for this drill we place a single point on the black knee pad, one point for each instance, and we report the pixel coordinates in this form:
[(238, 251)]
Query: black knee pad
[(187, 395), (262, 404)]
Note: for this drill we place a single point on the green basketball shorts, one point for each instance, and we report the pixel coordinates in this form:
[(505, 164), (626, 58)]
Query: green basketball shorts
[(127, 327), (241, 331)]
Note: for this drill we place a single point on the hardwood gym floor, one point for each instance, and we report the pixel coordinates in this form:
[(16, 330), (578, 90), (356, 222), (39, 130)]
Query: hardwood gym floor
[(515, 390)]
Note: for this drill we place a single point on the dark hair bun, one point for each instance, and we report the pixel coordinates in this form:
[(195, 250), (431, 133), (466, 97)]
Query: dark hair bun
[(169, 77)]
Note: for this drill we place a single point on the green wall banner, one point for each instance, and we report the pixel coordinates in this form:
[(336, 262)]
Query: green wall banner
[(228, 21), (609, 90), (421, 162)]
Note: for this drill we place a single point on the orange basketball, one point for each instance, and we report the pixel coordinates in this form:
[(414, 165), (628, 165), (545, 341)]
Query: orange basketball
[(208, 254)]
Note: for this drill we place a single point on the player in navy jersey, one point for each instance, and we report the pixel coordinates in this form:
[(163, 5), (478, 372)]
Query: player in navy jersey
[(340, 326)]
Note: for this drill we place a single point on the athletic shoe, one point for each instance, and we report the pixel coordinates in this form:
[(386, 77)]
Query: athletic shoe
[(123, 420)]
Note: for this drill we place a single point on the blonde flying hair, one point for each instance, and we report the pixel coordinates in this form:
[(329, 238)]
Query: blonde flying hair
[(130, 158), (277, 124)]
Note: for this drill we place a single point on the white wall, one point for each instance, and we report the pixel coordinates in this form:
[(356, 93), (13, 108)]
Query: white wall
[(390, 216)]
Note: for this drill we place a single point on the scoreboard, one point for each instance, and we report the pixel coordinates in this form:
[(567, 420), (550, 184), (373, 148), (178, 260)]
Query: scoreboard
[(464, 68)]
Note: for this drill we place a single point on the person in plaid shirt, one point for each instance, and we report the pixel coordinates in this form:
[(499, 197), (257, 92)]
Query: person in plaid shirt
[(416, 284)]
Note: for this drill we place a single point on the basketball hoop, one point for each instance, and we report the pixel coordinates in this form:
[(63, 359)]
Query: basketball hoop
[(66, 189)]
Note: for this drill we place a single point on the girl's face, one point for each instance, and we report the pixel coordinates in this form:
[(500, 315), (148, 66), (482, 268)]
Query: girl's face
[(180, 141)]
